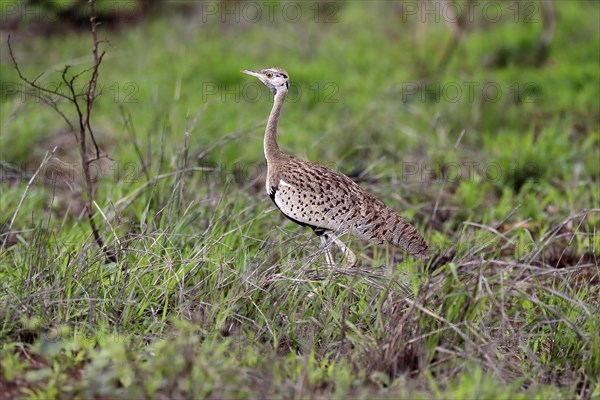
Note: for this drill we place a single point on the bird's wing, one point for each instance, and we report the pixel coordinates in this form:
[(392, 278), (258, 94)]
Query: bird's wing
[(313, 195), (309, 207)]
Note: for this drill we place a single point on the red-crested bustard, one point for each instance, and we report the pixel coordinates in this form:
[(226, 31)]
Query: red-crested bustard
[(327, 201)]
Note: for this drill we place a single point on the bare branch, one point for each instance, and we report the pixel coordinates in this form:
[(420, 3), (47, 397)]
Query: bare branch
[(52, 104), (91, 93), (33, 83), (83, 115)]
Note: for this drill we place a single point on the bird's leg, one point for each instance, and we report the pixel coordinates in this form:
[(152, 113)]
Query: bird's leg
[(350, 256), (328, 256)]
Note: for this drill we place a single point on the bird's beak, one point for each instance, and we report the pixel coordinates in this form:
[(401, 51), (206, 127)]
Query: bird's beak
[(251, 72)]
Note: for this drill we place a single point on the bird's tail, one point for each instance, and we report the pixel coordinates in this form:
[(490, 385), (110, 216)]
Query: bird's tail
[(402, 234)]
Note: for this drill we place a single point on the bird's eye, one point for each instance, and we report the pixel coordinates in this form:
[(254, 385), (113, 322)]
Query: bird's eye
[(269, 75)]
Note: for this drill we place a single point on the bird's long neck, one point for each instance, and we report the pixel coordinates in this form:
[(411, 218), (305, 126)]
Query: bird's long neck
[(272, 151)]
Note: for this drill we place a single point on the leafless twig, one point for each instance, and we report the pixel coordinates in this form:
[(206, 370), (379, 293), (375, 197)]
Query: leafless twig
[(83, 111)]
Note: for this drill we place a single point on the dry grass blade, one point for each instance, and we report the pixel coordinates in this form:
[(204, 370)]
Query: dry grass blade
[(45, 160)]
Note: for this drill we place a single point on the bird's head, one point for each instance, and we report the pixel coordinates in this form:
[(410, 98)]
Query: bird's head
[(274, 78)]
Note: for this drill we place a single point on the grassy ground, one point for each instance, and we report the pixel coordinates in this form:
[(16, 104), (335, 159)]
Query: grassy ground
[(492, 155)]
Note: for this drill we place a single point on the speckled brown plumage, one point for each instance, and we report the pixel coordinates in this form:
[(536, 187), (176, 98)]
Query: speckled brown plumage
[(325, 200), (319, 197)]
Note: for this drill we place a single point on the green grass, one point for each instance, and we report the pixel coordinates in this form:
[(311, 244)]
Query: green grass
[(216, 295)]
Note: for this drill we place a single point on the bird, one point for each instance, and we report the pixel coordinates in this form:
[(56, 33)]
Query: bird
[(327, 201)]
